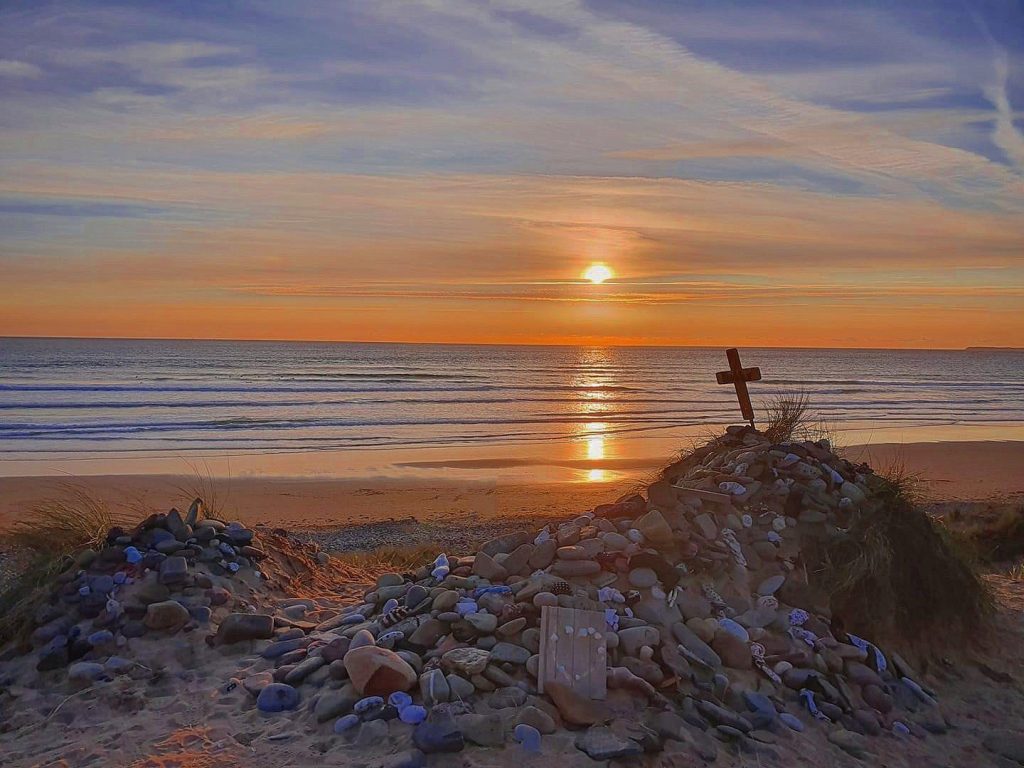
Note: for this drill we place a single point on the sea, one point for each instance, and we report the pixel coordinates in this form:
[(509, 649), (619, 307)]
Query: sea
[(111, 406)]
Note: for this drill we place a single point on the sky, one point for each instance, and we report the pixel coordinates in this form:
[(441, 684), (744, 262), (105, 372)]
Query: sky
[(779, 173)]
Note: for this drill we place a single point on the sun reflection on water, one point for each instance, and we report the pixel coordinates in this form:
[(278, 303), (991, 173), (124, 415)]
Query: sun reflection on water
[(592, 380)]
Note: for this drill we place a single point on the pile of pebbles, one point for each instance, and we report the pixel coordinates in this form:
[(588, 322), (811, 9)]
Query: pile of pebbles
[(166, 575), (713, 632), (714, 635)]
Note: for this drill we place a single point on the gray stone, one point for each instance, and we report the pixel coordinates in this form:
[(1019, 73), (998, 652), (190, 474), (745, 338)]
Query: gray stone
[(507, 652), (434, 687), (483, 730), (601, 743)]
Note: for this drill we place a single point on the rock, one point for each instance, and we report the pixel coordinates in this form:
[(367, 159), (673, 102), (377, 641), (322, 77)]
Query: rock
[(518, 560), (1006, 743), (543, 554), (574, 708), (173, 570), (506, 543), (734, 653), (277, 697), (601, 743), (466, 661), (304, 669), (485, 567), (378, 672), (507, 697), (483, 730), (510, 653), (536, 718), (771, 585), (877, 698), (238, 627), (643, 578), (85, 672), (631, 640), (460, 688), (434, 688), (257, 682), (654, 528), (484, 623), (169, 614), (722, 716), (571, 568), (335, 703), (527, 736), (438, 733), (689, 640)]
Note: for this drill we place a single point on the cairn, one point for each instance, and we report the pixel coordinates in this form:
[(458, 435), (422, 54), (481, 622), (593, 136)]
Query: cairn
[(712, 630)]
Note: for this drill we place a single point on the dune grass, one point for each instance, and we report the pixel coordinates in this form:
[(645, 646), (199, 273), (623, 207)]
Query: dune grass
[(390, 559), (791, 417), (895, 574), (48, 535)]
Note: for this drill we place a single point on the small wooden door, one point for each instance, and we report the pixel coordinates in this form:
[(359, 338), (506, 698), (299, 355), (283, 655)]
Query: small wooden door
[(574, 650)]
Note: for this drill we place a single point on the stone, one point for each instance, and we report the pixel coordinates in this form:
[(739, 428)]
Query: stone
[(536, 718), (460, 688), (511, 628), (238, 627), (543, 554), (527, 736), (601, 743), (483, 730), (85, 672), (484, 623), (507, 697), (510, 653), (378, 672), (518, 560), (485, 567), (575, 708), (506, 543), (166, 615), (465, 661), (632, 639), (643, 578), (304, 669), (734, 653), (771, 585), (655, 528), (346, 723), (434, 687), (277, 697), (722, 716), (173, 570), (876, 698), (689, 640), (416, 595), (410, 758), (334, 703), (438, 733), (571, 568)]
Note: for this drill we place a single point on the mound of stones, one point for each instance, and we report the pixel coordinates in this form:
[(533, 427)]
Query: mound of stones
[(166, 575), (713, 632), (714, 635)]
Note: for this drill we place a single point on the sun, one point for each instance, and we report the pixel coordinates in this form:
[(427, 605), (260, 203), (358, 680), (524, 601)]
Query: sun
[(598, 273)]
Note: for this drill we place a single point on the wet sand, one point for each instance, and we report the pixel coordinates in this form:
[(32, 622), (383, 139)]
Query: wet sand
[(950, 471)]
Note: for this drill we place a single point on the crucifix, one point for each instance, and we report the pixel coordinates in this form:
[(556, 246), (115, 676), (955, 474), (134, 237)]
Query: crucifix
[(738, 376)]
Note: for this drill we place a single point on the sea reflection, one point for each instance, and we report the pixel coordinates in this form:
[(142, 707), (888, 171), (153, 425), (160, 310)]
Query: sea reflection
[(593, 377)]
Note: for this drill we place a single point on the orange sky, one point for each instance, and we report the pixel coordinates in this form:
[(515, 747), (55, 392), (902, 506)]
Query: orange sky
[(304, 178)]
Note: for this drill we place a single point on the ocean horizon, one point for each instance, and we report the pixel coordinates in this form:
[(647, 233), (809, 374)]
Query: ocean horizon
[(103, 405)]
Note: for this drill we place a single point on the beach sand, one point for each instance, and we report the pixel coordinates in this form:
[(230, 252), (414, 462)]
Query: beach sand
[(949, 471)]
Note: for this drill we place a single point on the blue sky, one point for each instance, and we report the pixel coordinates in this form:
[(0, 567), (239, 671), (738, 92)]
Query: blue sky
[(292, 160)]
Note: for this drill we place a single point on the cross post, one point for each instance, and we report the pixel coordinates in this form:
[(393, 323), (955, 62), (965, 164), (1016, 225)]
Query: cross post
[(738, 376)]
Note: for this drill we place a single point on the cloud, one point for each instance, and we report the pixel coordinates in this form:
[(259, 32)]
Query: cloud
[(1005, 135), (12, 68)]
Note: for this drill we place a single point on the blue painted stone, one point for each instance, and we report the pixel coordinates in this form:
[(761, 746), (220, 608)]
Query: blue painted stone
[(399, 700), (120, 577), (84, 590), (368, 704), (201, 613), (735, 629), (343, 724), (389, 606), (233, 567), (900, 729), (277, 697), (355, 618), (527, 736), (413, 714), (132, 555), (791, 721), (388, 639), (758, 702)]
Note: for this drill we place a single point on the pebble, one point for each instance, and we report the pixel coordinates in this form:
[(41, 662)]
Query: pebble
[(527, 736), (277, 697)]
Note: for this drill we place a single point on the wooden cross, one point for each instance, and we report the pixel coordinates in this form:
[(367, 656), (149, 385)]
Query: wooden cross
[(738, 376)]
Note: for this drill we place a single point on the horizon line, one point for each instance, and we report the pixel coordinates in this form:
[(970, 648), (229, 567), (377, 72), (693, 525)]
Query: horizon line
[(978, 347)]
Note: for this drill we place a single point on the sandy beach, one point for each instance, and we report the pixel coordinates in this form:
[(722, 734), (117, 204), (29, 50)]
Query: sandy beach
[(950, 471)]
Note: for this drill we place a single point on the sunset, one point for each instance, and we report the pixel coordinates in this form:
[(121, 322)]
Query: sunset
[(511, 383)]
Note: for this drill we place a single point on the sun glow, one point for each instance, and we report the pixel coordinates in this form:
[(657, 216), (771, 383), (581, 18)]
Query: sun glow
[(598, 273)]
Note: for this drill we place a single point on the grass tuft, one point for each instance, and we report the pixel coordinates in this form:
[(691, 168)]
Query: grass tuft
[(388, 559), (48, 535), (896, 575)]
